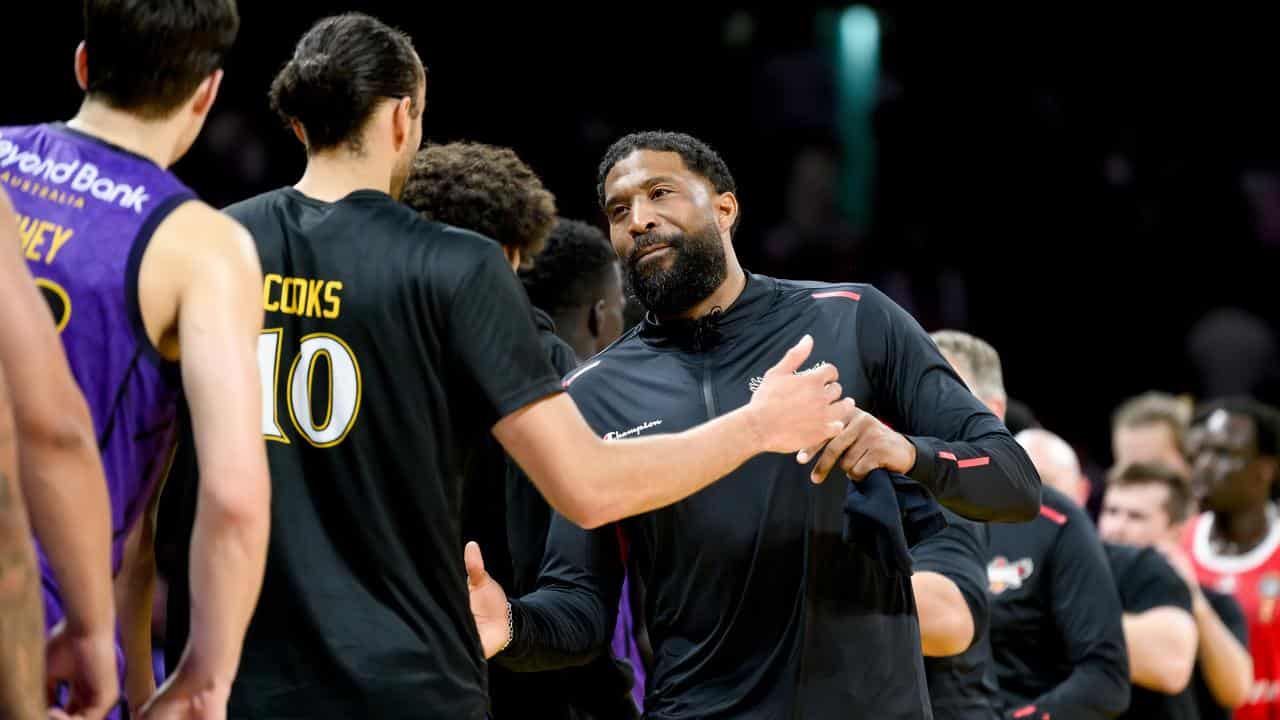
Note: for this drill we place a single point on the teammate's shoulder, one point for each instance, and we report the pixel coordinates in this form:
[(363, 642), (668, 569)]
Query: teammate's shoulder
[(599, 367), (1060, 510), (255, 205), (456, 238), (1125, 557), (849, 294)]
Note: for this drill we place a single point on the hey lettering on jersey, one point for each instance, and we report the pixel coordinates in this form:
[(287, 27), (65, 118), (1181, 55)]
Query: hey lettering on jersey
[(41, 239), (305, 297)]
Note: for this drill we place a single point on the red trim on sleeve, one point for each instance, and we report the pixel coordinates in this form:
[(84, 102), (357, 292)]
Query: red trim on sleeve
[(968, 463), (837, 293), (1053, 515)]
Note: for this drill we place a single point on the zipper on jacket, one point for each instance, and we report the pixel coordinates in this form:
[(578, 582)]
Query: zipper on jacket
[(707, 395)]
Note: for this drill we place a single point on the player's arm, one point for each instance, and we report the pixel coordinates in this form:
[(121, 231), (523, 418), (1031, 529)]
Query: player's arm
[(948, 442), (593, 481), (946, 622), (203, 264), (568, 620), (1162, 648), (1223, 654), (950, 588), (1085, 607), (135, 586), (1159, 631), (1223, 651), (61, 478), (21, 617)]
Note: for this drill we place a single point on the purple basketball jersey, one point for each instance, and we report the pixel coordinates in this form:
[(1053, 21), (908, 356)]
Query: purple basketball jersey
[(86, 211)]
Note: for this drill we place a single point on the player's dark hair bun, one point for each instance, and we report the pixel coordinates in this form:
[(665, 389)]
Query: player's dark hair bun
[(314, 90), (341, 68)]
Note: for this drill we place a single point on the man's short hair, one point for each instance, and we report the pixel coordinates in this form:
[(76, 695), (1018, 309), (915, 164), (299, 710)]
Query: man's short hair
[(1266, 419), (981, 360), (696, 155), (485, 189), (571, 270), (148, 56), (1178, 503), (1154, 408)]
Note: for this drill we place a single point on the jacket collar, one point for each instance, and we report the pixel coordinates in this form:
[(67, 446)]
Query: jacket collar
[(718, 326)]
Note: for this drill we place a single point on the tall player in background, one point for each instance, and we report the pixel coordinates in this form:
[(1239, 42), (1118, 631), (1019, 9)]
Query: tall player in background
[(1234, 447), (49, 467), (140, 273), (393, 347)]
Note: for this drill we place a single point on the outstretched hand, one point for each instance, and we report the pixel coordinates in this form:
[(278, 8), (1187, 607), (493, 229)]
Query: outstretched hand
[(489, 604)]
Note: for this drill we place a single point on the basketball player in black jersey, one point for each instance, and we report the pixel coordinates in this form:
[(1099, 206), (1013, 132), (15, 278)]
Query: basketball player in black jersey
[(392, 346)]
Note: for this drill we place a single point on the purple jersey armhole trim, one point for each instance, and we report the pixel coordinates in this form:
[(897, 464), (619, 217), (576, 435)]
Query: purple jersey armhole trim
[(136, 251)]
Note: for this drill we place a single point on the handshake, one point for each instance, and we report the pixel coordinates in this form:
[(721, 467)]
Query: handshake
[(792, 411), (805, 411)]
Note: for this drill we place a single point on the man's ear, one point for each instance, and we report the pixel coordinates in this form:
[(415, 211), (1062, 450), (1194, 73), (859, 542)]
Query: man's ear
[(726, 211), (595, 314)]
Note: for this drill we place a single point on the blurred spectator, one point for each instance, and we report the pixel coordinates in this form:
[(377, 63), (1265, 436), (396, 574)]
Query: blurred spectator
[(1151, 428), (1147, 505), (1056, 628), (1056, 462), (1234, 545), (977, 364)]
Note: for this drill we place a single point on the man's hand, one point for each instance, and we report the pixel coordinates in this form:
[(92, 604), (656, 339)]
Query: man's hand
[(793, 410), (488, 603), (864, 445), (87, 664)]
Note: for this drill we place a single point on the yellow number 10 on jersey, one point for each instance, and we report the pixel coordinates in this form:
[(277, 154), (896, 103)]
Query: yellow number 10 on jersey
[(343, 398)]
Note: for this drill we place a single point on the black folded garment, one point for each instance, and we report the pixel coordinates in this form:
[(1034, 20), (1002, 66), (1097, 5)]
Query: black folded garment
[(886, 514)]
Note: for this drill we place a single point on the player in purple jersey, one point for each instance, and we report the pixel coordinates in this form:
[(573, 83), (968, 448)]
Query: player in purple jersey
[(139, 274), (49, 447)]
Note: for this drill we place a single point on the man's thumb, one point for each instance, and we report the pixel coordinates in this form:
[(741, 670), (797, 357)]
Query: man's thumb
[(794, 358), (475, 563)]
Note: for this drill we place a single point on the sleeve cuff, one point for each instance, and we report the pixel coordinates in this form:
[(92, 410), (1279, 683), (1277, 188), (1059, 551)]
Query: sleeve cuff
[(519, 636), (925, 471)]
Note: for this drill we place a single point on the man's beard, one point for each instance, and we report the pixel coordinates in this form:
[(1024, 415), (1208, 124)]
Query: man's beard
[(697, 268)]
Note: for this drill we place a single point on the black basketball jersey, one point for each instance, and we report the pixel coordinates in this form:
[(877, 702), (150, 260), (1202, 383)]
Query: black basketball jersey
[(390, 347)]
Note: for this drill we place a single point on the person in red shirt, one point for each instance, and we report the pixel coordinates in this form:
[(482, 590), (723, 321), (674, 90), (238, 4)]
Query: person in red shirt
[(1235, 544)]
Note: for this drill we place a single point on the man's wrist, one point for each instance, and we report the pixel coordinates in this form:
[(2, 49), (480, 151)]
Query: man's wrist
[(909, 454), (755, 423)]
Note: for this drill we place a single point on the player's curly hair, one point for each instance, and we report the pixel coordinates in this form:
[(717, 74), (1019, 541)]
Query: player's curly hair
[(485, 189), (571, 269), (697, 156)]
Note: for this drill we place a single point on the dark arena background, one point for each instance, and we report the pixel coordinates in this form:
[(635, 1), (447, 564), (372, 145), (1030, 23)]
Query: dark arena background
[(1094, 191)]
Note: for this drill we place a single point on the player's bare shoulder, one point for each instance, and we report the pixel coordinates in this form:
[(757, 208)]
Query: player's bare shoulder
[(195, 231), (194, 246)]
